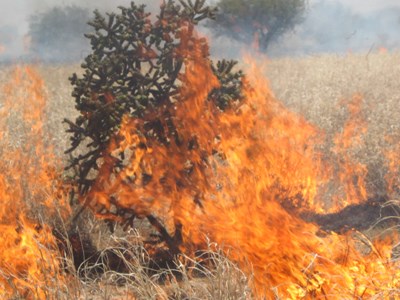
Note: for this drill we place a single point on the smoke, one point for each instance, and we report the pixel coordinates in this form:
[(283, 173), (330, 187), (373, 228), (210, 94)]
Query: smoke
[(17, 17), (333, 26)]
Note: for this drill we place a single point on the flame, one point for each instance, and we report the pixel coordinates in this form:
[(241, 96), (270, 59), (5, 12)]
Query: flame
[(241, 184), (238, 178), (392, 156), (29, 258), (350, 174)]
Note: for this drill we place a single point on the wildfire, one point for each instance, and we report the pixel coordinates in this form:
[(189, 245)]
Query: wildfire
[(247, 164), (29, 258), (351, 175), (248, 174)]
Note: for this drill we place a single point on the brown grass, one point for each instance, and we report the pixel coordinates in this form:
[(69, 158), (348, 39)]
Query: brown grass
[(319, 87)]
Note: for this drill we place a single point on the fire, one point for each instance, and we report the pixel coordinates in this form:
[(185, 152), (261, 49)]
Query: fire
[(249, 172), (392, 156), (239, 178), (351, 175), (29, 258)]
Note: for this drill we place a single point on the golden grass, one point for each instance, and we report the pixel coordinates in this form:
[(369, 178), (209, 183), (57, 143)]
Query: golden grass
[(314, 87), (318, 88)]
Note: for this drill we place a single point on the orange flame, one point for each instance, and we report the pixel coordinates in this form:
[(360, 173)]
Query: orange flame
[(392, 160), (255, 159), (350, 174), (29, 264), (241, 183)]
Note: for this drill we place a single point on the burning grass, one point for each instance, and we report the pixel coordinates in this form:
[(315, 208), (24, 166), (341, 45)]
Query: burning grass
[(318, 88), (269, 161), (28, 180)]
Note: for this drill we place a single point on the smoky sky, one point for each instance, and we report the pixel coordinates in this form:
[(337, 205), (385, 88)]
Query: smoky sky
[(329, 26), (338, 27)]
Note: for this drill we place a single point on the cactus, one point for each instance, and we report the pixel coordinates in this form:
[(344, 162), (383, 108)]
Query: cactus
[(133, 69)]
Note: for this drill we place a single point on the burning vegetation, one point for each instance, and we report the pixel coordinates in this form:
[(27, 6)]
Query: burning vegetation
[(30, 192), (203, 153)]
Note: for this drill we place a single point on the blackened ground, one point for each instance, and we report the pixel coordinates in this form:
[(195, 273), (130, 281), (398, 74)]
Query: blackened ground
[(375, 212)]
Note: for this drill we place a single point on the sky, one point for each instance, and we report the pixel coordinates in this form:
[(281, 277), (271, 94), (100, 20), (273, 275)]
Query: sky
[(375, 24)]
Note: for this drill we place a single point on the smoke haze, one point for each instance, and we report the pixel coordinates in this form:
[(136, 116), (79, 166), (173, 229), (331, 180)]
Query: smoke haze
[(333, 26)]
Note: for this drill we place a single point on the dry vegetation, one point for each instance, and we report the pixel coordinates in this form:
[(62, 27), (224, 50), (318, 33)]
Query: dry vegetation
[(319, 88), (315, 87)]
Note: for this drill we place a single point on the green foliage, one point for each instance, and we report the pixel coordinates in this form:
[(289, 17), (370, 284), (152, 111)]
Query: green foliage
[(57, 34), (135, 69), (265, 20)]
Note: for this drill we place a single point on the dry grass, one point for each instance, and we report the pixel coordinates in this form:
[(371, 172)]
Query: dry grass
[(316, 87), (319, 87), (313, 87), (186, 279)]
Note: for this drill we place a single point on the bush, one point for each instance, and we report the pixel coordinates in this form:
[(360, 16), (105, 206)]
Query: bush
[(135, 71)]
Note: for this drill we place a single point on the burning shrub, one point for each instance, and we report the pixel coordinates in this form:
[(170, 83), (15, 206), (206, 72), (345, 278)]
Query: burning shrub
[(135, 72), (165, 135)]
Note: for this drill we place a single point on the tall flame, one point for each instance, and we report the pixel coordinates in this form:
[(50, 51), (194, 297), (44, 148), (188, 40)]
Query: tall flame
[(29, 258), (350, 174), (231, 187), (238, 178)]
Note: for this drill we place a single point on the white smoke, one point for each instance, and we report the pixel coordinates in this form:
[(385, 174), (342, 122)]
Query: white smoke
[(330, 26), (333, 27)]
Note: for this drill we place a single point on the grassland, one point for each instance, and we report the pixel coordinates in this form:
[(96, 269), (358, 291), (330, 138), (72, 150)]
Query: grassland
[(320, 87), (317, 88)]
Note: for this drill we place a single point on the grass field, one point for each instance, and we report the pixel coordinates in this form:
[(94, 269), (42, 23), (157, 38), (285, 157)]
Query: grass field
[(322, 90), (319, 88)]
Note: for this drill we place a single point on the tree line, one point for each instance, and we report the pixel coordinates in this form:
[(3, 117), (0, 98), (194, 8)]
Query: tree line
[(58, 33)]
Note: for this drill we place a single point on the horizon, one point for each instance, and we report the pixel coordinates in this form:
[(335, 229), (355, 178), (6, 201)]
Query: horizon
[(330, 26)]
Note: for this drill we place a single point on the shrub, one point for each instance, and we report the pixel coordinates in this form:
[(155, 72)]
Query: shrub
[(135, 70)]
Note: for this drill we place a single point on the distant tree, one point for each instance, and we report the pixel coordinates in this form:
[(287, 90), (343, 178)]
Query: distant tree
[(261, 21), (58, 34)]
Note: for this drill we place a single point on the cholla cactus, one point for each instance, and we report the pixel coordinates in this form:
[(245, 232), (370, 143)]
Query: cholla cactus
[(134, 69)]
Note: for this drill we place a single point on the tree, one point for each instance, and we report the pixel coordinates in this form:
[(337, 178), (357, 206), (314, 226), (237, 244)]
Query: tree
[(260, 21), (135, 73), (58, 34)]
